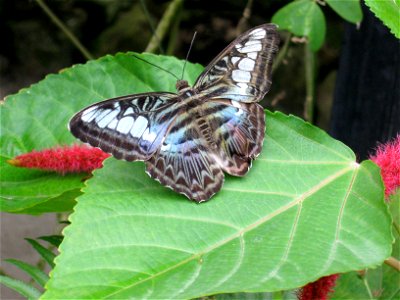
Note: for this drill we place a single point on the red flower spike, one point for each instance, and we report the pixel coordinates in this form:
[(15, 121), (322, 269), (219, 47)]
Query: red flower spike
[(318, 290), (387, 157), (67, 159)]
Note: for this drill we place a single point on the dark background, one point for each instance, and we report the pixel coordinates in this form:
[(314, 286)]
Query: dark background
[(35, 46)]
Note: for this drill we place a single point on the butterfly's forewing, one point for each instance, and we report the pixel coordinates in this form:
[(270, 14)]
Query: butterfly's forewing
[(130, 127), (184, 161), (242, 71)]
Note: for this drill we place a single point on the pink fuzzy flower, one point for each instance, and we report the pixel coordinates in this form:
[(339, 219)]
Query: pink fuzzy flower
[(67, 159), (318, 290), (387, 157)]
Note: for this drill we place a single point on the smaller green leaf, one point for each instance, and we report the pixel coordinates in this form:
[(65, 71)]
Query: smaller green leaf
[(46, 254), (32, 191), (303, 18), (55, 240), (20, 287), (382, 282), (349, 10), (388, 12), (38, 275)]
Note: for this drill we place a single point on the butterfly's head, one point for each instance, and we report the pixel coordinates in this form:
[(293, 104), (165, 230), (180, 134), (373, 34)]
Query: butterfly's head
[(181, 85)]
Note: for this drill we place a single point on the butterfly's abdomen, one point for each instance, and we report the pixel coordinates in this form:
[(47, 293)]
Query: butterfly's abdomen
[(205, 130)]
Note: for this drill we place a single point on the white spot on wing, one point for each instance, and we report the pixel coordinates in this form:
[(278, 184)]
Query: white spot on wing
[(113, 124), (252, 55), (128, 111), (139, 126), (252, 42), (241, 76), (107, 119), (258, 33), (102, 114), (236, 104), (250, 48), (149, 136), (234, 59), (165, 147), (239, 112), (246, 64), (125, 125), (89, 114)]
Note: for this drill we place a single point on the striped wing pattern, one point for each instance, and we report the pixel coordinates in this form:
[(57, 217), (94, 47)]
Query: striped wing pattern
[(130, 127), (188, 140)]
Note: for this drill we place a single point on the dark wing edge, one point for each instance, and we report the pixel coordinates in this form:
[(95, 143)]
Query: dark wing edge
[(130, 127)]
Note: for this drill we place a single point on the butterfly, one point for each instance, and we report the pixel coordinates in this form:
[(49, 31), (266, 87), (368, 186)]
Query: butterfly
[(189, 139)]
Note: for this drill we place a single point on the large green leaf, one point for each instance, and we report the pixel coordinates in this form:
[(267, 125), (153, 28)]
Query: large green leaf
[(305, 210), (37, 117), (388, 12), (303, 18)]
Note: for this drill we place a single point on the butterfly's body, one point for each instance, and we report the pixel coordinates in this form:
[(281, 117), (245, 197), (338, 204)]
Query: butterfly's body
[(188, 140)]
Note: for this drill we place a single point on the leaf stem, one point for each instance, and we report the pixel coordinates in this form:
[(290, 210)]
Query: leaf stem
[(149, 20), (309, 61), (245, 17), (163, 25), (64, 29), (366, 284), (393, 262), (282, 53), (174, 32), (396, 227)]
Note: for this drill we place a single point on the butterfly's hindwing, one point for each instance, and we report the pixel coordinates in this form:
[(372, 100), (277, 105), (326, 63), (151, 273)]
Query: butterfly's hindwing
[(242, 72), (130, 127), (238, 130), (184, 161)]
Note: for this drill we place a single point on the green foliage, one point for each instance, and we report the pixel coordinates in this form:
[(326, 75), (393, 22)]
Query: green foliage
[(21, 287), (33, 191), (350, 10), (388, 12), (305, 18), (38, 275), (54, 240), (305, 210), (45, 253)]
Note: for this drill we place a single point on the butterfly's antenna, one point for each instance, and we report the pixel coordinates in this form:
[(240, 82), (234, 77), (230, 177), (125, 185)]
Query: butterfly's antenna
[(187, 55), (154, 65)]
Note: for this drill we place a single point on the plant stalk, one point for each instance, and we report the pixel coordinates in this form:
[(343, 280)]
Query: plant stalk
[(394, 263), (174, 32), (282, 53), (309, 106), (64, 29), (164, 25)]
